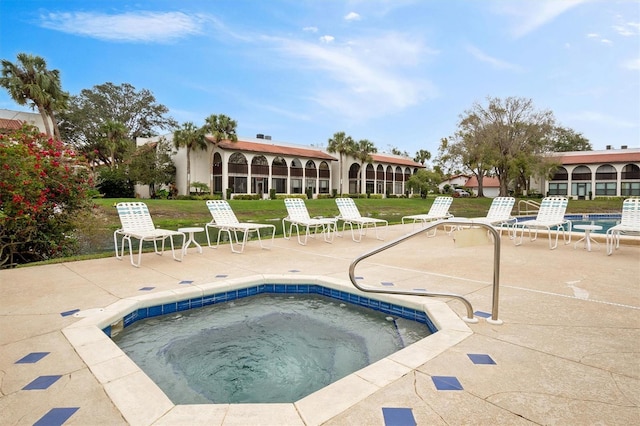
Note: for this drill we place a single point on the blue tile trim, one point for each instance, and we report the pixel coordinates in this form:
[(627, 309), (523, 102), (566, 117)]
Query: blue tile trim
[(272, 288), (42, 382), (446, 383), (56, 416), (32, 358), (146, 288), (398, 417), (67, 313), (481, 359), (482, 314)]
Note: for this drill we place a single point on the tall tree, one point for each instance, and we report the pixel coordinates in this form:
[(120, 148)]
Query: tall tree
[(343, 145), (563, 139), (218, 127), (503, 133), (138, 111), (29, 82), (152, 165), (362, 151), (114, 137), (191, 137)]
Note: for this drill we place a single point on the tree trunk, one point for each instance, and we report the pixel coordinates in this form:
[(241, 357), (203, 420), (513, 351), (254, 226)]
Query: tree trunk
[(45, 119)]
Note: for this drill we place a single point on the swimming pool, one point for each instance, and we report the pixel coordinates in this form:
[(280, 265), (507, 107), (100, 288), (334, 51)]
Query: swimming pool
[(603, 219), (140, 401), (268, 348)]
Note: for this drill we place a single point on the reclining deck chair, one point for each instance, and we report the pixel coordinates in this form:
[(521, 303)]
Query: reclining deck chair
[(137, 224), (439, 210), (550, 214), (629, 223), (350, 215), (226, 221), (499, 214), (298, 216)]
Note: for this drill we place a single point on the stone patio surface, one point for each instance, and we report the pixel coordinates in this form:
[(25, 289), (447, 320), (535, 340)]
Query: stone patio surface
[(567, 353)]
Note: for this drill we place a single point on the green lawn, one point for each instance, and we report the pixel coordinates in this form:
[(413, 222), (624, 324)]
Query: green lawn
[(96, 235)]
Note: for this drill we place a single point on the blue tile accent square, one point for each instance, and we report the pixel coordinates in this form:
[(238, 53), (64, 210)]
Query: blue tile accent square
[(42, 382), (398, 417), (67, 313), (294, 270), (359, 278), (56, 416), (186, 282), (446, 383), (387, 283), (482, 314), (146, 288), (32, 358), (222, 276), (481, 359)]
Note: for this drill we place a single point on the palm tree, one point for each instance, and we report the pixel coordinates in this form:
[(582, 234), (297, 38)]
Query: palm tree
[(192, 138), (362, 151), (29, 82), (343, 145), (219, 127), (114, 136), (422, 156)]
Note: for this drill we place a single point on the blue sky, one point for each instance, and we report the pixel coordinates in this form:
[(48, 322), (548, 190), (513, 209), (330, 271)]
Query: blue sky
[(397, 72)]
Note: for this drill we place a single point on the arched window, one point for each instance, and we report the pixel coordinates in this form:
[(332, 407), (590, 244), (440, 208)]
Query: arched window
[(630, 185), (606, 172), (560, 174), (324, 174), (581, 173), (260, 165), (217, 172), (279, 175), (631, 171), (238, 169), (354, 178)]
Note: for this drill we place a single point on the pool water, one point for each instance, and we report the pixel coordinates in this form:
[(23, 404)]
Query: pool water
[(262, 349)]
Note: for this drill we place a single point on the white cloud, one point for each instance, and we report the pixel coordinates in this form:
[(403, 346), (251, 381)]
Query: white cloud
[(604, 119), (361, 80), (352, 16), (529, 15), (150, 27), (593, 35), (633, 64), (606, 41), (310, 29), (327, 39), (494, 62)]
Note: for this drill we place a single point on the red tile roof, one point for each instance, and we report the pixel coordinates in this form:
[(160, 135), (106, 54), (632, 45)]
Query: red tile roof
[(8, 124), (621, 156), (487, 182), (401, 161), (270, 148)]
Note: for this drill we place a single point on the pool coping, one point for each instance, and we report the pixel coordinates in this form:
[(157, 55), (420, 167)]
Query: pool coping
[(141, 401)]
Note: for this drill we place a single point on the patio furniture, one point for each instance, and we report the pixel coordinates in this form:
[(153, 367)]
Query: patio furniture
[(439, 210), (298, 216), (350, 215), (226, 221), (550, 215), (587, 235), (137, 224), (191, 232), (499, 214), (629, 223)]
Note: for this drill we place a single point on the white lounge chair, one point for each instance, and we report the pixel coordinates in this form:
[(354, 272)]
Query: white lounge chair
[(298, 216), (137, 224), (350, 215), (226, 221), (629, 223), (550, 215), (499, 214), (439, 210)]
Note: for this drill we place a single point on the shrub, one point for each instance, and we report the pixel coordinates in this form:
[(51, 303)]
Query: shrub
[(114, 183), (44, 195)]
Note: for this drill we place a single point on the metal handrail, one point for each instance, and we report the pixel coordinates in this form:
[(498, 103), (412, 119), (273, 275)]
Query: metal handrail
[(467, 223), (528, 203)]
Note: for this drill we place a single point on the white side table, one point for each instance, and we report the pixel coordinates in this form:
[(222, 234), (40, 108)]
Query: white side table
[(587, 235), (191, 231)]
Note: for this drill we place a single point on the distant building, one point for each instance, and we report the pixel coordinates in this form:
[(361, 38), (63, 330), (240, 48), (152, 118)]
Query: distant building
[(490, 186), (604, 173), (13, 120), (257, 165)]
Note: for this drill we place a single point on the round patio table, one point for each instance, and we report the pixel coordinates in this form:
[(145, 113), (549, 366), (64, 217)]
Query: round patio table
[(587, 235), (191, 231)]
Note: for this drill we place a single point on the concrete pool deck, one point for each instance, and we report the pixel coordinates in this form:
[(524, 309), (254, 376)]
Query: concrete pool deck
[(568, 351)]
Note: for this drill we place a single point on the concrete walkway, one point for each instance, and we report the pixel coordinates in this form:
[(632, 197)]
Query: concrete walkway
[(567, 353)]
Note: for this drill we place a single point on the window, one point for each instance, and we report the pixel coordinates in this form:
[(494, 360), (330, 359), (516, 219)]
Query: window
[(606, 188), (238, 184), (630, 188), (296, 186), (280, 185), (581, 173), (324, 186), (557, 189)]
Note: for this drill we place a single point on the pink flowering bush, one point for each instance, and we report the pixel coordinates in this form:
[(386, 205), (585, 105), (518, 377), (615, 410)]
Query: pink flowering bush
[(43, 191)]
